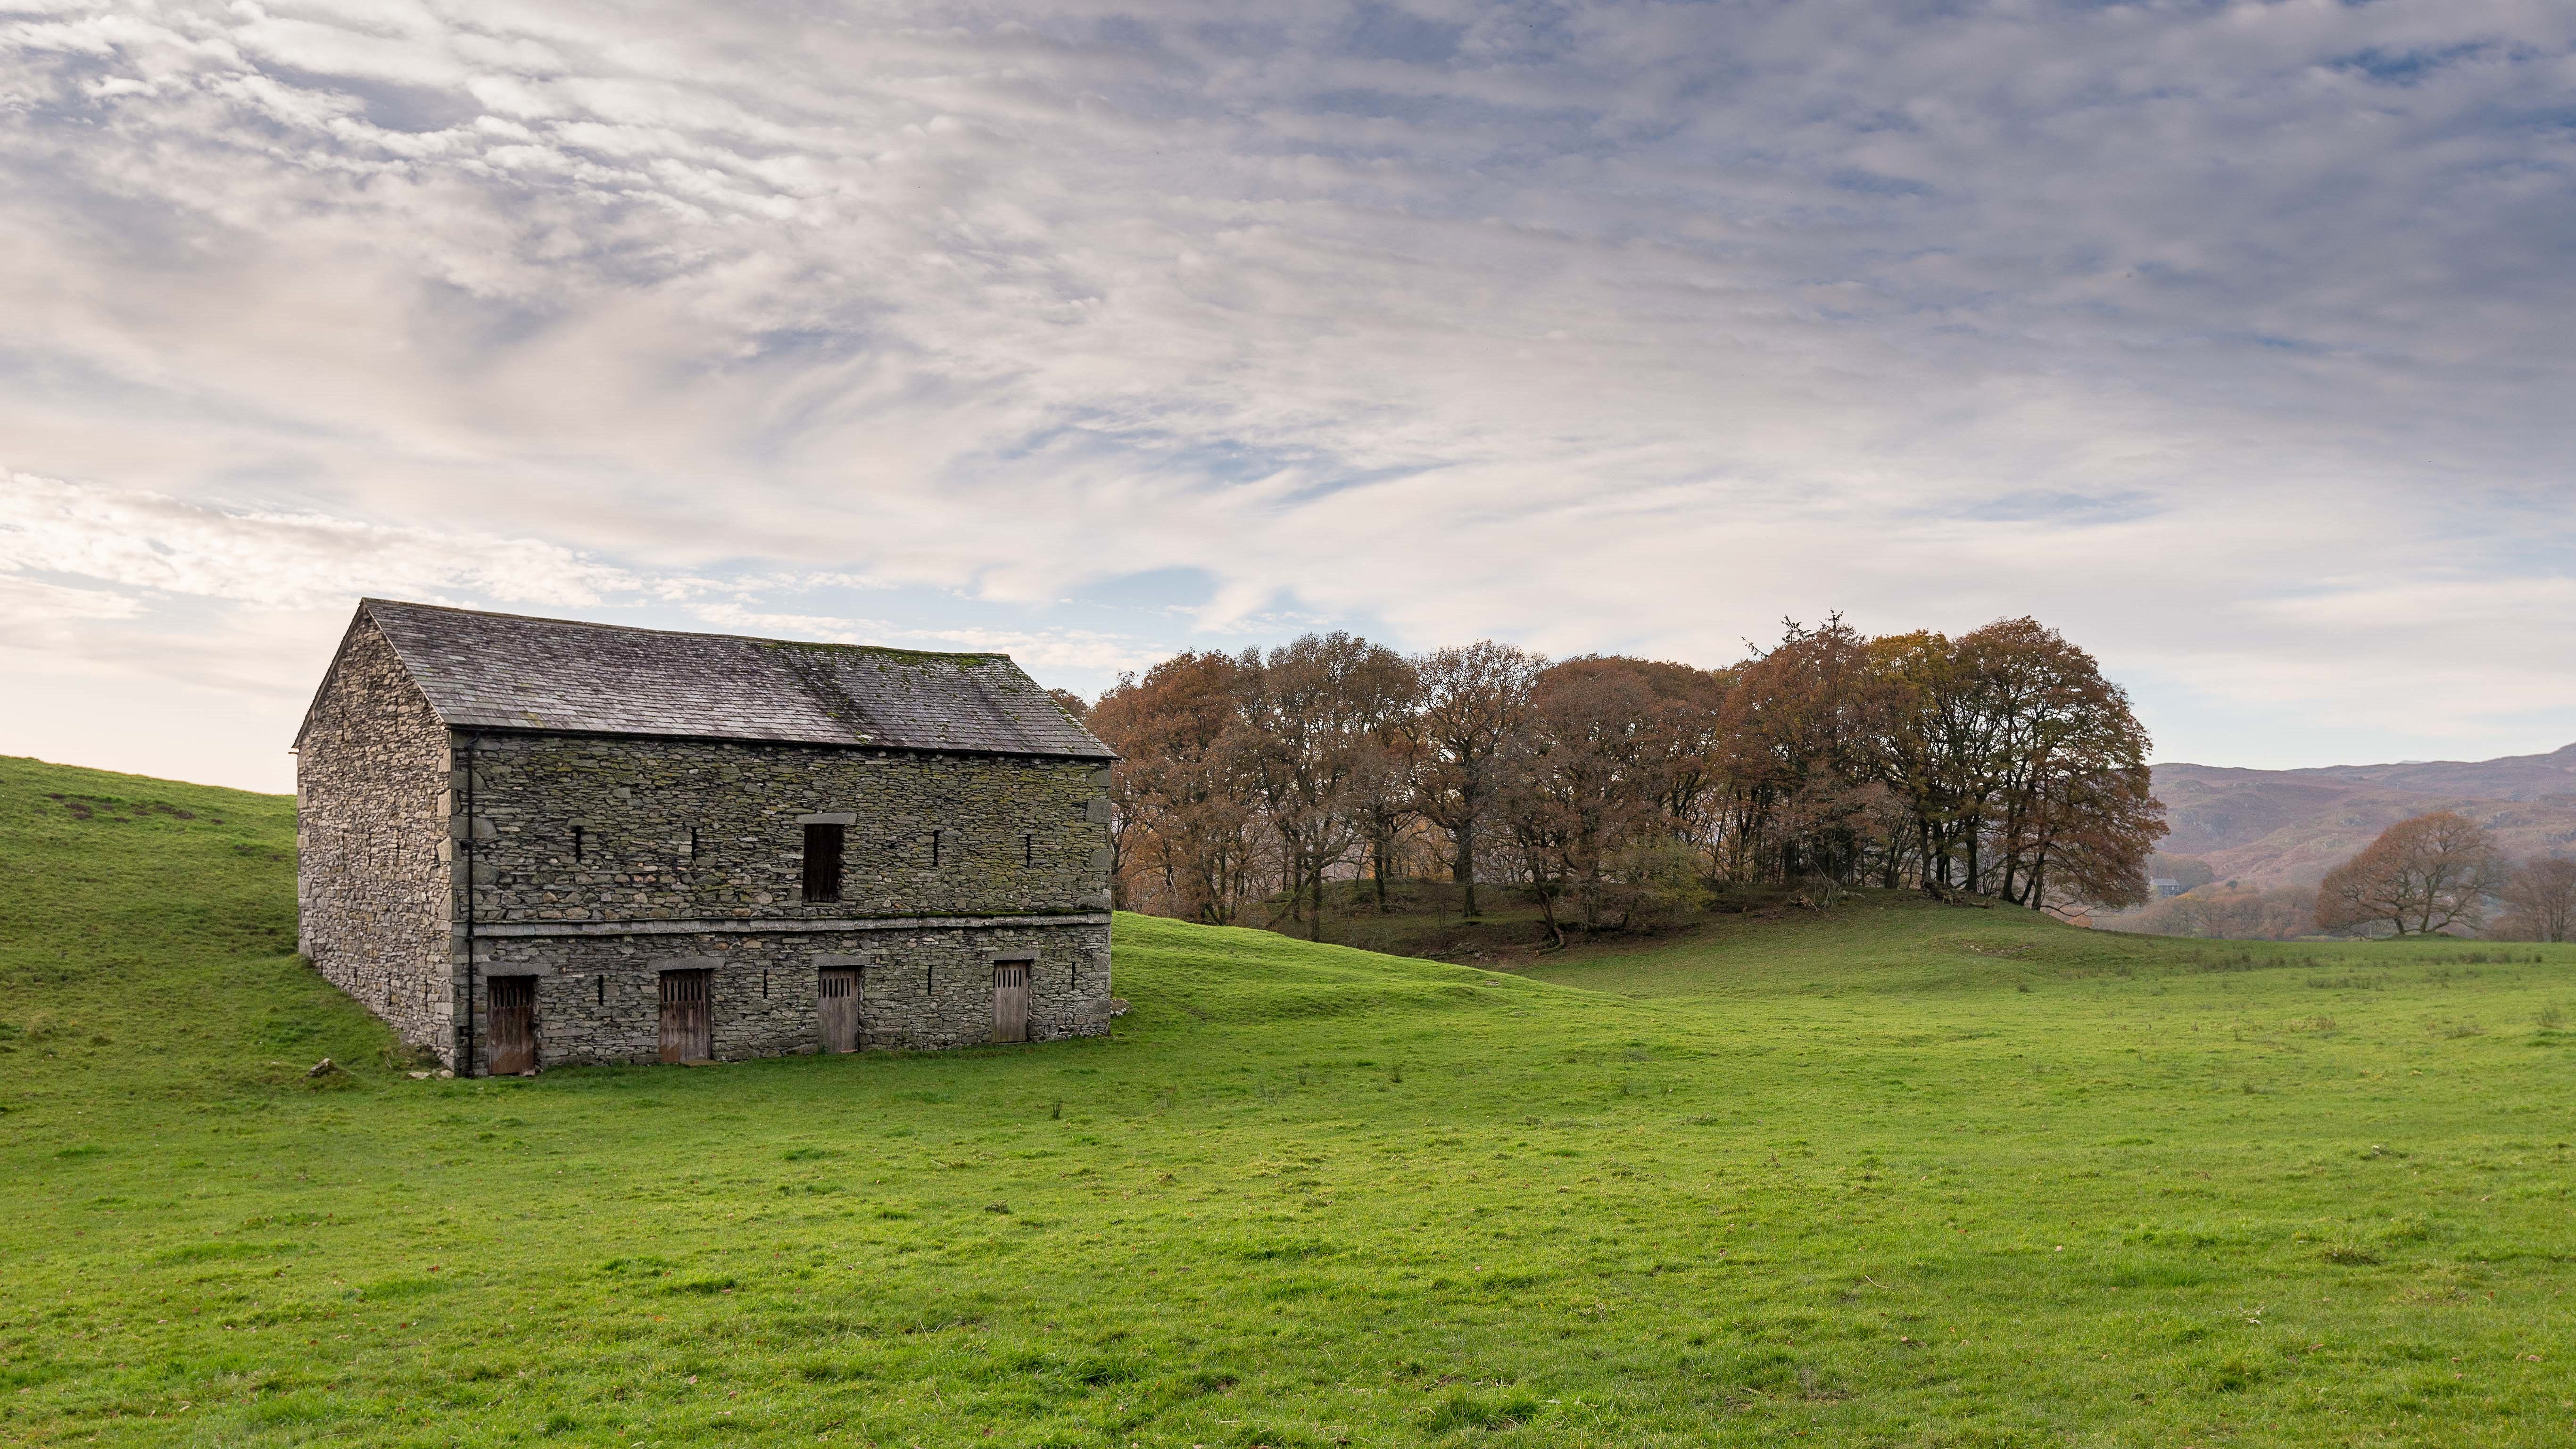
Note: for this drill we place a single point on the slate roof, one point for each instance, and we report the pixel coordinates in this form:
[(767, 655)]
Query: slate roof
[(508, 671)]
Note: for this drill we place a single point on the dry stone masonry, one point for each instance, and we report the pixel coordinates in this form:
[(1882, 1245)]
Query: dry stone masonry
[(376, 872), (517, 834)]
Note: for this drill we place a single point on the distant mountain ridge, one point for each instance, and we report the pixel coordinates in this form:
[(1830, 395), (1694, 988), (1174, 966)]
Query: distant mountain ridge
[(2289, 827)]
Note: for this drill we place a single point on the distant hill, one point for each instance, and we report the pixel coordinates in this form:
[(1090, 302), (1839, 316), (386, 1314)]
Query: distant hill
[(2289, 827)]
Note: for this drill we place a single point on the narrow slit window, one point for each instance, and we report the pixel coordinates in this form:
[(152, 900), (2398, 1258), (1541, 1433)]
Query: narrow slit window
[(693, 842), (1028, 850), (934, 847), (823, 862), (580, 840)]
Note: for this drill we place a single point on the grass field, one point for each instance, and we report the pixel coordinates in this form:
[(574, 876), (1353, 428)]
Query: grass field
[(1903, 1175)]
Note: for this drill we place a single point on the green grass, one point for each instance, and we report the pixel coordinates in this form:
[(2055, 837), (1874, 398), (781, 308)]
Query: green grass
[(1903, 1175)]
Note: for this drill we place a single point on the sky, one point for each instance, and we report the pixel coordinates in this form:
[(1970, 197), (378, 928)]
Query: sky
[(2234, 340)]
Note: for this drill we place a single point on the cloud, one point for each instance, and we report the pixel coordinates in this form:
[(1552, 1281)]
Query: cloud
[(1073, 649), (2217, 334), (122, 547), (122, 582), (41, 612)]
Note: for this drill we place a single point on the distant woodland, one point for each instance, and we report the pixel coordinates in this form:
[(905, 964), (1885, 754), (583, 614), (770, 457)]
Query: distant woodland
[(2251, 850), (2440, 873), (1615, 791)]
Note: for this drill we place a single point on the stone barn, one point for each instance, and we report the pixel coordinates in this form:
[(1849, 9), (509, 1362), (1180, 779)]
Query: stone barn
[(533, 842)]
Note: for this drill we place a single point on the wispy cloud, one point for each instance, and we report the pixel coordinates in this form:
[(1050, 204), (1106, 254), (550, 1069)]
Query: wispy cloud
[(120, 544), (1088, 651), (1600, 325)]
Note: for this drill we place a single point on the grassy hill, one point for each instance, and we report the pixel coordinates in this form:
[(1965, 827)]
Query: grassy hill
[(1902, 1175)]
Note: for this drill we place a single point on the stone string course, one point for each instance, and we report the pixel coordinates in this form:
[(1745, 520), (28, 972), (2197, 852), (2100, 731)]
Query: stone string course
[(665, 854)]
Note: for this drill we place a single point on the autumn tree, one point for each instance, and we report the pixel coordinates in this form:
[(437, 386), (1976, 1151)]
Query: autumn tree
[(2071, 801), (1384, 793), (1185, 837), (1313, 713), (2001, 762), (1585, 780), (2540, 901), (1473, 701), (2021, 769), (1937, 751), (2421, 877), (1799, 743), (2084, 833), (1678, 735)]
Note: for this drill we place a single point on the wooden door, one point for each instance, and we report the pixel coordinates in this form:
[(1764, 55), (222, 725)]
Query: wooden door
[(1011, 1001), (511, 1009), (688, 1026), (837, 1007)]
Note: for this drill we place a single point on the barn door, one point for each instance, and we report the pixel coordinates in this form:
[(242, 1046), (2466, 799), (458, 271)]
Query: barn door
[(688, 1026), (512, 1011), (1011, 1001), (837, 1006)]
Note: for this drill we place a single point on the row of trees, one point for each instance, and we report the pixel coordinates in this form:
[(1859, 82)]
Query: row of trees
[(2442, 874), (1607, 788)]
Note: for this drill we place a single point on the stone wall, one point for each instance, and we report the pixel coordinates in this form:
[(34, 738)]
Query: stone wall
[(374, 873), (574, 828), (599, 996), (600, 863)]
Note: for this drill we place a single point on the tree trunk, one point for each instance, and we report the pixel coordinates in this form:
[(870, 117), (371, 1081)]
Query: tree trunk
[(1465, 869), (1292, 870)]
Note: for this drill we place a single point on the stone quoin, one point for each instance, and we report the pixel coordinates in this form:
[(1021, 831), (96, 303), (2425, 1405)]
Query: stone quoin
[(536, 842)]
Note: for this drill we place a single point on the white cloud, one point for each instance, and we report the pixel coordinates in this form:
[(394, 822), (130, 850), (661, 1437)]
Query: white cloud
[(268, 560), (1071, 649), (2215, 334), (39, 609)]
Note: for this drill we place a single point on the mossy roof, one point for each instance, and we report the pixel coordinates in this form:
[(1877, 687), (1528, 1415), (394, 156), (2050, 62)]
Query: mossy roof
[(510, 671)]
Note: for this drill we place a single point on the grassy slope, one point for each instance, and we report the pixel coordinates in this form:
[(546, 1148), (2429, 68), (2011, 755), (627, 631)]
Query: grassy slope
[(1843, 1178)]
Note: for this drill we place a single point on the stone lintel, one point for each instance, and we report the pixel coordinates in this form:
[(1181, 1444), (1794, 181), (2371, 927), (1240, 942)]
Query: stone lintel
[(743, 927)]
